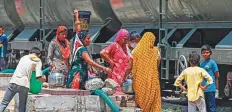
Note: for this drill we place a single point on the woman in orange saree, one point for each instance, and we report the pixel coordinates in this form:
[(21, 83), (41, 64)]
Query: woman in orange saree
[(59, 52)]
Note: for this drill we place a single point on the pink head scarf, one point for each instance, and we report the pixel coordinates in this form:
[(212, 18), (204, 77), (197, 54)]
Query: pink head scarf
[(121, 35)]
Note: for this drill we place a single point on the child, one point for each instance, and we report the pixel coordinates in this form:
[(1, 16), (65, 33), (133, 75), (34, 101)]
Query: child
[(193, 77), (20, 81), (211, 67), (134, 40)]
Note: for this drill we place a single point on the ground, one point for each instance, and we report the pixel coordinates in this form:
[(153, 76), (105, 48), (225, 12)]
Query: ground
[(11, 105), (167, 107)]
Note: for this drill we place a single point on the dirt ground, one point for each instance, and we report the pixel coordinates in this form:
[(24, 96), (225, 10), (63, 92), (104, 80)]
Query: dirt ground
[(10, 107)]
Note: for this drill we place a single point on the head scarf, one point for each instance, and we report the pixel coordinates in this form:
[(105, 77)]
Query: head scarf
[(145, 74), (122, 33), (61, 29), (82, 35), (65, 50), (79, 39)]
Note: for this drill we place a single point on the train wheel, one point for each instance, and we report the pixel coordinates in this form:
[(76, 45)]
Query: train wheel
[(181, 65)]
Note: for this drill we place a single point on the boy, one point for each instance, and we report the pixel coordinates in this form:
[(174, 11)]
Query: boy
[(193, 77), (133, 41), (20, 81), (211, 67)]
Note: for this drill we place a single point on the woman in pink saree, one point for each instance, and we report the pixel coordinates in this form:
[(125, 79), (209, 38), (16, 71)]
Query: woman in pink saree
[(117, 56)]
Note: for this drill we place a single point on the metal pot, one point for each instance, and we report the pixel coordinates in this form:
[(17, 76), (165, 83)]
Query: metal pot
[(127, 87), (56, 79)]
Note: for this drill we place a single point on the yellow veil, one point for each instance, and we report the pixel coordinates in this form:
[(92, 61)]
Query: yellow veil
[(145, 74)]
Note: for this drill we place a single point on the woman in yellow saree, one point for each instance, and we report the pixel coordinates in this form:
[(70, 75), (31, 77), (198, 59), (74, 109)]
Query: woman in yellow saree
[(144, 65)]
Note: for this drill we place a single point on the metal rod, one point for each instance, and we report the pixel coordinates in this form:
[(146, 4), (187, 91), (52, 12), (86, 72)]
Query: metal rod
[(42, 31), (160, 20), (166, 22), (160, 34), (41, 10), (163, 35), (43, 20), (166, 39), (40, 20)]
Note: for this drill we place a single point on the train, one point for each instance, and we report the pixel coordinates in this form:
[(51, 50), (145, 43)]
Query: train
[(189, 24)]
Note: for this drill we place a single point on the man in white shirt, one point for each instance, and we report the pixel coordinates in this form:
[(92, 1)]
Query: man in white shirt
[(20, 81)]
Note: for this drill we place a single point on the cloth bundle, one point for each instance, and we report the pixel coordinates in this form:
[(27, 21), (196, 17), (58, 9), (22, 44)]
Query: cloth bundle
[(94, 83), (110, 86)]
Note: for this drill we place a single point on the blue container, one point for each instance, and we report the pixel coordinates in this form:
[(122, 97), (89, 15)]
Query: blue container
[(127, 86), (84, 17)]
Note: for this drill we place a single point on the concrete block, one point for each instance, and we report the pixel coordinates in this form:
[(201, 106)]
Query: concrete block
[(65, 91), (30, 101), (76, 103), (131, 109), (103, 105), (88, 103), (56, 103), (4, 81), (63, 103)]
